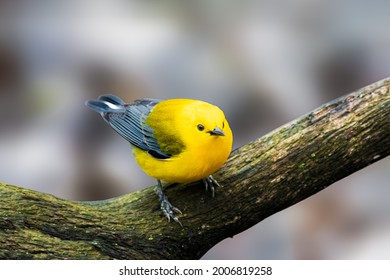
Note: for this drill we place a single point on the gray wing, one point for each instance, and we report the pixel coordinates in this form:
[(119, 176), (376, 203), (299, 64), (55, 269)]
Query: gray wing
[(129, 121)]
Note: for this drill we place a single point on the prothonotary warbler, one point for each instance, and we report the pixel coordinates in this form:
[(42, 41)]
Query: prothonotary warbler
[(175, 141)]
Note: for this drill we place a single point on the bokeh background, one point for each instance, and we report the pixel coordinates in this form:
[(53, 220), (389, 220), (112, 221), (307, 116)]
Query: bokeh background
[(263, 62)]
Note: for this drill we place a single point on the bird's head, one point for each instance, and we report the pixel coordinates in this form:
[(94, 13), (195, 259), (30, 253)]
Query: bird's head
[(208, 127)]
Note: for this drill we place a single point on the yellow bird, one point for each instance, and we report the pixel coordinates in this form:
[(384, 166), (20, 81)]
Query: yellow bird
[(175, 141)]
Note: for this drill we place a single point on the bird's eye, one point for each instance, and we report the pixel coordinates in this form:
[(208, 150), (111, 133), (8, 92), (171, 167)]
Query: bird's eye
[(223, 124), (200, 127)]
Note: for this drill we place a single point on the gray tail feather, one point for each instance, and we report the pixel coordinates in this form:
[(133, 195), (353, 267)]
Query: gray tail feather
[(107, 104), (112, 99)]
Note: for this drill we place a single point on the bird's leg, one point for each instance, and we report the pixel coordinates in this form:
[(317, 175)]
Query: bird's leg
[(166, 206), (209, 181)]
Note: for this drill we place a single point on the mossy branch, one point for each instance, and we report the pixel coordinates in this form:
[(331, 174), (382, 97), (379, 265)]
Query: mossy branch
[(261, 178)]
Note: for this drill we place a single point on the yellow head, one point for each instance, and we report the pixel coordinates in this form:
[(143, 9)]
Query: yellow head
[(205, 126)]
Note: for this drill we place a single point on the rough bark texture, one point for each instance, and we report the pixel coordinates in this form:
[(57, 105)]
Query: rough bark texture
[(261, 178)]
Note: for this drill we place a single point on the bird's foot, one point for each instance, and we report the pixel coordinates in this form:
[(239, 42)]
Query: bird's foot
[(167, 208), (211, 183)]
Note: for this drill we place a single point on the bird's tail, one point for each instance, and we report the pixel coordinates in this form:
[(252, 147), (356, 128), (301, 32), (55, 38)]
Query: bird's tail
[(107, 104)]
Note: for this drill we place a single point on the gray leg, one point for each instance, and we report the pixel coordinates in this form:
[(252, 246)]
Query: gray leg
[(211, 183), (166, 206)]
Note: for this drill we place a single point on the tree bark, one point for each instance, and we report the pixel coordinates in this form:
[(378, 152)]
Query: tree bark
[(261, 178)]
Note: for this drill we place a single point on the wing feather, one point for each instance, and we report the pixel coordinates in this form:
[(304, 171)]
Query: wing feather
[(129, 121)]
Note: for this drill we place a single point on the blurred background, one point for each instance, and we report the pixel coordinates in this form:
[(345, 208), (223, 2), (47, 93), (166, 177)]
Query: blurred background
[(263, 62)]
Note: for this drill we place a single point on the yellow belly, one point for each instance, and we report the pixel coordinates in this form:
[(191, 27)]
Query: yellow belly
[(189, 166)]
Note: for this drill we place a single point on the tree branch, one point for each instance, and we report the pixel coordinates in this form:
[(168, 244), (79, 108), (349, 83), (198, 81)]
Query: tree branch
[(261, 178)]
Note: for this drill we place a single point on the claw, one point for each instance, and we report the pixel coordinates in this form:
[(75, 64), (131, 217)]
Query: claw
[(167, 208), (212, 183)]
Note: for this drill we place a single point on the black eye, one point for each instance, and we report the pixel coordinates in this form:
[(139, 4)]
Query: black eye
[(223, 124), (200, 127)]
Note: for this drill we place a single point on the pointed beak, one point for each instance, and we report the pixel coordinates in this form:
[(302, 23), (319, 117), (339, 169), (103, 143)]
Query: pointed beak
[(216, 132)]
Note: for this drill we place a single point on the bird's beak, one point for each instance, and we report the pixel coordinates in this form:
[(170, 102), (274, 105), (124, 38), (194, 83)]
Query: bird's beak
[(216, 132)]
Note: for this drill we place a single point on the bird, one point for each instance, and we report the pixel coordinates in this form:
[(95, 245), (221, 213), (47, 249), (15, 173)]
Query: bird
[(174, 140)]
